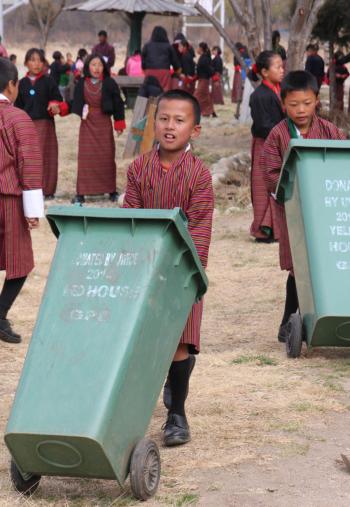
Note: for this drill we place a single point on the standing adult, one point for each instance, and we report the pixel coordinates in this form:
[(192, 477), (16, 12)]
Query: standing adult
[(158, 56), (3, 50), (105, 50), (277, 48), (314, 63)]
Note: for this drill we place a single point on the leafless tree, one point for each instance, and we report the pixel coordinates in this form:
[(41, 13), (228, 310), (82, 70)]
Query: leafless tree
[(46, 14), (302, 22)]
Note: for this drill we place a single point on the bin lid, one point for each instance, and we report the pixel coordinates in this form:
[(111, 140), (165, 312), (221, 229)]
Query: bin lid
[(298, 148), (57, 214)]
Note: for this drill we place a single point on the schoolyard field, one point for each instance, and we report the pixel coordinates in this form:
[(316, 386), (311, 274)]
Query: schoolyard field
[(266, 430)]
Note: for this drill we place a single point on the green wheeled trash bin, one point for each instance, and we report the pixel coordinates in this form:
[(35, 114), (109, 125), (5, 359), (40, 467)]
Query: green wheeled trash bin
[(119, 292), (315, 188)]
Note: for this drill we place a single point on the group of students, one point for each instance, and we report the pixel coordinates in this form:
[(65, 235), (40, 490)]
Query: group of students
[(169, 176), (174, 67), (96, 98)]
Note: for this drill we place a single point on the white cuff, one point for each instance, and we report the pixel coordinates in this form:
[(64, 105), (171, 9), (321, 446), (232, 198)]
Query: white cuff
[(33, 203)]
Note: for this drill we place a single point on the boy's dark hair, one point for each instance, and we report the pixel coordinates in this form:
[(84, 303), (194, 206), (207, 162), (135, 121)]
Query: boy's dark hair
[(57, 55), (217, 49), (34, 51), (87, 62), (159, 34), (8, 72), (298, 80), (187, 97), (264, 60), (102, 33), (13, 57)]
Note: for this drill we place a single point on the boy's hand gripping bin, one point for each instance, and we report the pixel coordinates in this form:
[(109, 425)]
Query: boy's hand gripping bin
[(315, 188), (120, 289)]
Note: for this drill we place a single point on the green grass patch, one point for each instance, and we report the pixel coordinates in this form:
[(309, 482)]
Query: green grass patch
[(259, 360), (186, 499)]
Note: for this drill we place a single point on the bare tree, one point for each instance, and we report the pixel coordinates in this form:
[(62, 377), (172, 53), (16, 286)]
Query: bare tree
[(46, 14), (247, 18), (302, 23), (218, 26)]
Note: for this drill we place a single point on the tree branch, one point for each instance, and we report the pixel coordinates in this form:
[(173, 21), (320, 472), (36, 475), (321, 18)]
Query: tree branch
[(218, 26), (266, 12)]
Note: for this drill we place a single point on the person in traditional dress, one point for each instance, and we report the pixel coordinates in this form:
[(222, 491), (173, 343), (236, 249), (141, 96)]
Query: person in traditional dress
[(216, 81), (278, 48), (188, 67), (299, 93), (266, 111), (39, 96), (159, 57), (96, 99), (172, 176), (21, 196), (315, 63), (205, 72), (104, 49), (341, 75)]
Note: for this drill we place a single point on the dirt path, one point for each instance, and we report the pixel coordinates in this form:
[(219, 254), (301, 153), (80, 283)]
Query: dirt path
[(266, 430)]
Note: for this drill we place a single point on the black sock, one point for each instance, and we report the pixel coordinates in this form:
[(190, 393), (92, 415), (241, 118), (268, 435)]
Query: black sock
[(179, 375), (292, 303), (10, 291)]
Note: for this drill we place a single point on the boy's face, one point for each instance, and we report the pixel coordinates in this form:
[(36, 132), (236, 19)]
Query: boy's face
[(11, 91), (175, 124), (300, 107)]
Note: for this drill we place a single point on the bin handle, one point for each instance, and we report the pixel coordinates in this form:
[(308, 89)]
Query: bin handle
[(189, 278), (180, 255)]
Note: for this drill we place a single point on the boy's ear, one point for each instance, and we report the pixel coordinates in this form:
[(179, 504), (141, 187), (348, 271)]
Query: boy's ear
[(196, 131)]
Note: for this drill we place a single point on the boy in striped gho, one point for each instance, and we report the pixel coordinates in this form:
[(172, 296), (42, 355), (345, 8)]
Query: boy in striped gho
[(167, 177), (299, 94), (21, 196)]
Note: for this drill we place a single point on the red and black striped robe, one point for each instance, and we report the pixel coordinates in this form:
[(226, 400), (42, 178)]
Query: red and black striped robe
[(20, 169), (271, 161), (186, 184)]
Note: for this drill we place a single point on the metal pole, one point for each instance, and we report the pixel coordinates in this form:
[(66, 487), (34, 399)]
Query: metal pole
[(222, 20), (1, 19)]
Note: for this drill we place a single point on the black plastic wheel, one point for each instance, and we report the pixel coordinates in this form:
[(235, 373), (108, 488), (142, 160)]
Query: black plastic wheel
[(294, 339), (145, 469), (25, 486)]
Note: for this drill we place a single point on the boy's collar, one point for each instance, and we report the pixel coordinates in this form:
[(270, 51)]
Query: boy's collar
[(188, 147), (3, 97)]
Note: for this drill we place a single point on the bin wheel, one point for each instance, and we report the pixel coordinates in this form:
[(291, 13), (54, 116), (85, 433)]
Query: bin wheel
[(145, 469), (24, 486), (294, 339)]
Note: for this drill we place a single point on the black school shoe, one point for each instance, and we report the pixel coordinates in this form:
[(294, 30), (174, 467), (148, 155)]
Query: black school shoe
[(176, 430), (7, 334), (167, 390), (283, 333)]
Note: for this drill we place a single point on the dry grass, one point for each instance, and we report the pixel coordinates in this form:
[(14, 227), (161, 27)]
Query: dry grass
[(248, 404)]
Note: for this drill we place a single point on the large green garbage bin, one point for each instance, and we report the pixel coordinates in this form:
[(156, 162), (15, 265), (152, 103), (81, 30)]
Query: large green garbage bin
[(315, 189), (119, 292)]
